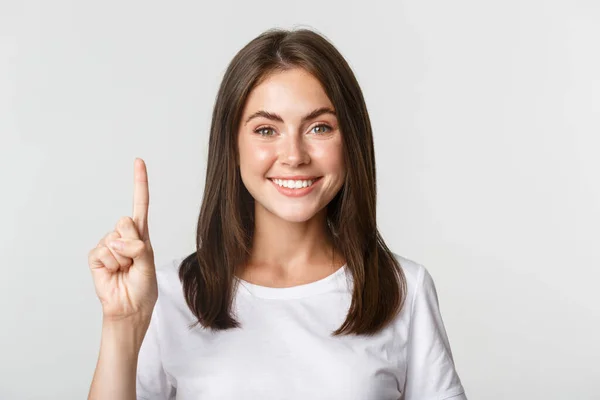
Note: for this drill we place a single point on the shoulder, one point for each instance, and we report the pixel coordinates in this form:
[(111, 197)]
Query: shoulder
[(167, 275), (419, 282), (430, 368), (170, 288), (414, 272)]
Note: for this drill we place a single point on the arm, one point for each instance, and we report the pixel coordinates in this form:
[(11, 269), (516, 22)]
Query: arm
[(124, 274), (431, 373), (115, 375)]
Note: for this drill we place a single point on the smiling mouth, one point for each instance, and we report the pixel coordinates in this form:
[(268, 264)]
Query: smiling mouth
[(295, 184)]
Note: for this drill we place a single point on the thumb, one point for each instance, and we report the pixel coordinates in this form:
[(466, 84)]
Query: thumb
[(135, 249)]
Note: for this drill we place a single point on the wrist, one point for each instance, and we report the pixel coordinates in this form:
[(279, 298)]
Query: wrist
[(127, 333)]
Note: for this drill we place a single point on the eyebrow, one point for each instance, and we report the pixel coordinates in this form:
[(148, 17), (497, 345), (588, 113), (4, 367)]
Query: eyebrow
[(277, 117)]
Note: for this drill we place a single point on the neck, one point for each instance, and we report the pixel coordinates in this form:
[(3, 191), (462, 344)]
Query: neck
[(290, 250)]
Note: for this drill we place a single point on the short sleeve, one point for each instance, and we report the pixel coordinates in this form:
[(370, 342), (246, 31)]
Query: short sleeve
[(431, 374), (152, 382)]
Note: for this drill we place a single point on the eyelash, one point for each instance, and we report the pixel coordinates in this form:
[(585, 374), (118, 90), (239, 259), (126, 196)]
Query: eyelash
[(257, 131)]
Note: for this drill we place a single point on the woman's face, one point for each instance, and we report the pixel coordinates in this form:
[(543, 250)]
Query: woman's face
[(290, 146)]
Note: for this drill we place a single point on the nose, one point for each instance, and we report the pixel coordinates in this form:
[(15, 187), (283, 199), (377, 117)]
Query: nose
[(293, 151)]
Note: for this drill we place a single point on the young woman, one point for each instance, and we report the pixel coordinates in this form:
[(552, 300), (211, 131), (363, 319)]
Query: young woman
[(291, 293)]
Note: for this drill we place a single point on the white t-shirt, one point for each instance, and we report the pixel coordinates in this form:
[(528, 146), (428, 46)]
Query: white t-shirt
[(284, 349)]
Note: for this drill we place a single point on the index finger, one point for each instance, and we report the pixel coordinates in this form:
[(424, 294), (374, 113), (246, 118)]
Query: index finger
[(140, 198)]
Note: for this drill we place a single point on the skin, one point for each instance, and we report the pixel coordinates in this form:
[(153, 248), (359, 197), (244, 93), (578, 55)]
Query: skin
[(125, 281), (290, 244)]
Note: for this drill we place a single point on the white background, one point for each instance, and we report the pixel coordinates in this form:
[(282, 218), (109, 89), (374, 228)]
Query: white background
[(486, 118)]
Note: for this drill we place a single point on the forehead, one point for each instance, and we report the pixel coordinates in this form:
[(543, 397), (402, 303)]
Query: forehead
[(291, 92)]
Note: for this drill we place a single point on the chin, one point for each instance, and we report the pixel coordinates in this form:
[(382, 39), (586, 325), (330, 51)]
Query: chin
[(291, 214), (295, 217)]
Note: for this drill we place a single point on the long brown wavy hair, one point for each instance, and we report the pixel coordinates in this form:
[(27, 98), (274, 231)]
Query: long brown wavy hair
[(226, 221)]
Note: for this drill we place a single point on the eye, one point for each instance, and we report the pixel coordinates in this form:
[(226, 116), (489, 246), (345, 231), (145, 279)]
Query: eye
[(261, 131), (321, 126), (321, 130)]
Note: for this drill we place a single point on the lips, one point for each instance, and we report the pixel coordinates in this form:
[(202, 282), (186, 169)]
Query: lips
[(296, 177)]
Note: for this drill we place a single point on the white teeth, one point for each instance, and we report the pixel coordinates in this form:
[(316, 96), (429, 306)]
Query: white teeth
[(293, 184)]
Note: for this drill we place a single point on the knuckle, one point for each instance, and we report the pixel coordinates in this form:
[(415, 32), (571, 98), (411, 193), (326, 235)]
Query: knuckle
[(136, 247), (103, 240), (104, 252), (141, 246), (124, 222), (99, 252), (111, 236)]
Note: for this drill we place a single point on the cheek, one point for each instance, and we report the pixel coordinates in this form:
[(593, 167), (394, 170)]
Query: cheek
[(255, 157), (329, 156), (263, 153)]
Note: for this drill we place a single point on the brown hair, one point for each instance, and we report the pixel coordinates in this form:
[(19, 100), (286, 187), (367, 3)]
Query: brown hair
[(226, 221)]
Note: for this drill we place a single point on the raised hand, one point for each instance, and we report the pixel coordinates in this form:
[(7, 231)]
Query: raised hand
[(125, 275)]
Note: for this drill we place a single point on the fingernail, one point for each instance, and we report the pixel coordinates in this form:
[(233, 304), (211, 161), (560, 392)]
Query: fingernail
[(117, 245)]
